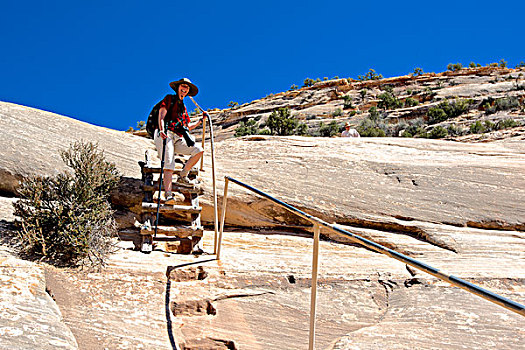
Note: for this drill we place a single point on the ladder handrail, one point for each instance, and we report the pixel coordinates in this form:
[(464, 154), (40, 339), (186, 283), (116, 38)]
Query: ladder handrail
[(215, 209), (456, 281)]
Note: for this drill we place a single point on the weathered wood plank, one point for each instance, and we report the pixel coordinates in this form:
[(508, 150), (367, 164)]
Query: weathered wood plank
[(149, 207), (178, 231)]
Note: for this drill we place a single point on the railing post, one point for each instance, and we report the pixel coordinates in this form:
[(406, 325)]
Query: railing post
[(313, 297), (218, 242), (203, 140)]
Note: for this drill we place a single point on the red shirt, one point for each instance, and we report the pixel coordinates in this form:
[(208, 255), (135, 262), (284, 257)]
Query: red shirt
[(176, 115)]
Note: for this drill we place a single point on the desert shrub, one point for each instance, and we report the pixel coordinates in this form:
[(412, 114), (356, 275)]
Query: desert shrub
[(455, 130), (329, 130), (247, 128), (389, 101), (503, 63), (448, 109), (294, 87), (500, 104), (348, 102), (372, 125), (302, 129), (454, 66), (477, 127), (411, 102), (308, 82), (520, 65), (233, 104), (68, 218), (362, 92), (281, 122), (505, 124), (371, 75), (415, 128), (417, 72), (438, 132)]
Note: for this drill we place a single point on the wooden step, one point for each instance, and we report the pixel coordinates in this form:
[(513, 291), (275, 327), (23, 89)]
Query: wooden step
[(156, 170), (152, 207), (176, 187), (173, 231)]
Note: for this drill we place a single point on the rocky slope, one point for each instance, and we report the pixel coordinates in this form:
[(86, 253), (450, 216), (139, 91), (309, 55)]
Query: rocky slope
[(325, 101), (454, 205)]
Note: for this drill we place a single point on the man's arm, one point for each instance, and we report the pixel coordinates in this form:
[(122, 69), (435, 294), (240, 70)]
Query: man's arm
[(192, 126), (162, 114)]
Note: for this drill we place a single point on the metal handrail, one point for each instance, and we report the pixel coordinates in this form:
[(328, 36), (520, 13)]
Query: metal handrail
[(215, 208), (456, 281)]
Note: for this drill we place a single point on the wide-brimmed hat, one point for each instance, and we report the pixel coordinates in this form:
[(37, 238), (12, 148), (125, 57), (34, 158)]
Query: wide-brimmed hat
[(194, 90), (347, 124)]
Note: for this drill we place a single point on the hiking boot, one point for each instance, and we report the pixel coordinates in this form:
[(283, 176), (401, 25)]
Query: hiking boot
[(185, 180), (170, 200)]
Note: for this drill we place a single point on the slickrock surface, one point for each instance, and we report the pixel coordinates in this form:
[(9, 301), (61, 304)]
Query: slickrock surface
[(29, 318), (258, 295), (376, 182)]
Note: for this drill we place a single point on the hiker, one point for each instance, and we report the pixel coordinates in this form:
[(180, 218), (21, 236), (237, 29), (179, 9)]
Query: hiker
[(349, 131), (175, 143)]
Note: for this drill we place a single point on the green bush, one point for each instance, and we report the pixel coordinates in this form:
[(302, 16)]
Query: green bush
[(417, 72), (68, 218), (294, 87), (348, 102), (282, 123), (448, 109), (247, 128), (415, 128), (438, 132), (338, 112), (505, 124), (371, 75), (454, 67), (389, 101), (411, 102), (503, 63), (500, 104), (233, 104), (455, 130), (520, 65), (477, 128), (329, 130)]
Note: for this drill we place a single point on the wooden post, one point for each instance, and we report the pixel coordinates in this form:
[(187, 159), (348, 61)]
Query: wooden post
[(203, 139), (313, 297), (223, 217)]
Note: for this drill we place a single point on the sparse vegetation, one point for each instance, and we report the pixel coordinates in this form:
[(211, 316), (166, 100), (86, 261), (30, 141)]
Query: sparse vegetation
[(446, 110), (282, 123), (454, 67), (417, 72), (348, 102), (411, 102), (68, 219), (329, 130), (371, 75), (294, 87), (233, 104), (247, 128), (492, 106), (388, 100)]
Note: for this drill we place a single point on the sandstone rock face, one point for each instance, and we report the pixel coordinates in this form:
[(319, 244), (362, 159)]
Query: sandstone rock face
[(383, 180), (32, 140), (29, 318)]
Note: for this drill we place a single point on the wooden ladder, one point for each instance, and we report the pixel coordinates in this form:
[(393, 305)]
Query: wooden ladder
[(186, 231)]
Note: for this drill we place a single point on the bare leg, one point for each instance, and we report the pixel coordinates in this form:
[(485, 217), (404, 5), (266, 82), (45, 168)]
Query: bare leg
[(190, 163), (168, 179)]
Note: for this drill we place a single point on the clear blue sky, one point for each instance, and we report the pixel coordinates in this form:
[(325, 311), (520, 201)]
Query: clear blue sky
[(108, 62)]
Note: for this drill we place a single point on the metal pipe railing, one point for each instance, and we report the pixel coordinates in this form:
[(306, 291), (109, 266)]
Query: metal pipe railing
[(458, 282), (212, 146)]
